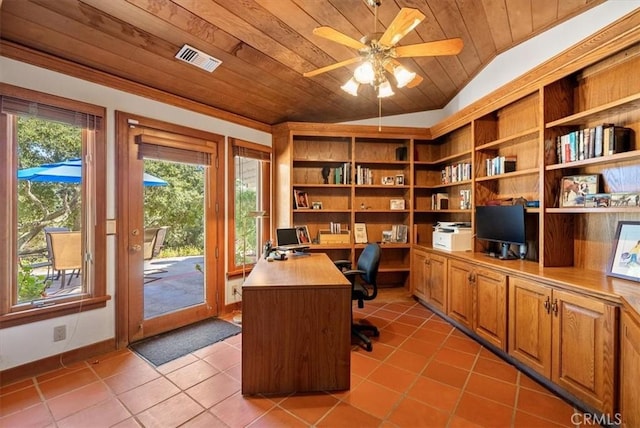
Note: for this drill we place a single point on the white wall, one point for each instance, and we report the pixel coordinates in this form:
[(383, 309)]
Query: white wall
[(516, 62), (22, 344)]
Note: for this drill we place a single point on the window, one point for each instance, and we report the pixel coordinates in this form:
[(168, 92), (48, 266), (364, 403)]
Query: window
[(52, 232), (250, 188)]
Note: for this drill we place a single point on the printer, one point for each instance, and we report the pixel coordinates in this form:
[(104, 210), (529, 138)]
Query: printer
[(451, 236)]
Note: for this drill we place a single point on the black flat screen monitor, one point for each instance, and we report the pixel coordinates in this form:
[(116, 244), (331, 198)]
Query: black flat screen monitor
[(288, 239), (503, 224)]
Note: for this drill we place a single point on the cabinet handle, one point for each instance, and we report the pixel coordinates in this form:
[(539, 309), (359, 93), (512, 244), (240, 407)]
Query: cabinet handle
[(555, 307), (547, 305), (427, 262), (471, 277)]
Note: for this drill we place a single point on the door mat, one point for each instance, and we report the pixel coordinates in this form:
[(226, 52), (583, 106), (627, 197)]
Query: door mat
[(168, 346)]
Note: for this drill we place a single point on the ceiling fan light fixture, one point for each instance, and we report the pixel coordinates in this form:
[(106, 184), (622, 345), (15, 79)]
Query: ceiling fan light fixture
[(403, 76), (385, 90), (351, 87), (364, 73)]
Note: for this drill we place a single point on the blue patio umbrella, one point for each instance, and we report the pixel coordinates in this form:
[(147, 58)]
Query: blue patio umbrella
[(69, 171)]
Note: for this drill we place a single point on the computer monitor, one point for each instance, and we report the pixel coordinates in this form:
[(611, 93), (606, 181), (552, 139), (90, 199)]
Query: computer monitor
[(287, 239), (502, 224)]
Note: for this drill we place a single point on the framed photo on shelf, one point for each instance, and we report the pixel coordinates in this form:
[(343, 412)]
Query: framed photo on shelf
[(360, 233), (396, 204), (388, 180), (316, 205), (399, 233), (575, 188), (303, 234), (597, 200), (387, 236), (626, 199), (399, 179), (625, 255), (300, 199)]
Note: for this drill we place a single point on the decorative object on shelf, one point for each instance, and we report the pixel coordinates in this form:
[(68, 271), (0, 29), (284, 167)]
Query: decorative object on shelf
[(388, 180), (625, 255), (326, 171), (399, 179), (399, 233), (401, 154), (300, 199), (396, 204), (625, 199), (597, 200), (387, 236), (360, 233), (328, 237), (316, 205), (574, 189), (440, 201), (465, 199), (303, 234)]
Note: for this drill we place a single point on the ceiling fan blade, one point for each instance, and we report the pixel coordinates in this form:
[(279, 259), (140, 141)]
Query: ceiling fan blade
[(415, 82), (332, 67), (406, 20), (441, 47), (338, 37)]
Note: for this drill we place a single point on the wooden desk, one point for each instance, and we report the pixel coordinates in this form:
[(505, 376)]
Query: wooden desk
[(296, 326)]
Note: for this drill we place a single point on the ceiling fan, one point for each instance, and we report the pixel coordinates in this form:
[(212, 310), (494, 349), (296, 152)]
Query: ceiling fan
[(379, 53)]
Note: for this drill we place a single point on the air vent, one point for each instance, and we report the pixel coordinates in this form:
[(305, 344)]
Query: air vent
[(198, 58)]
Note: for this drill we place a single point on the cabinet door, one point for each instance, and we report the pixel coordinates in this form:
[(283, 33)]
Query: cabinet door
[(490, 307), (437, 282), (460, 293), (418, 269), (530, 324), (630, 372), (584, 356)]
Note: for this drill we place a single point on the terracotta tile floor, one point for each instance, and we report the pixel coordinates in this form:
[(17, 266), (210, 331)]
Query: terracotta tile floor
[(421, 373)]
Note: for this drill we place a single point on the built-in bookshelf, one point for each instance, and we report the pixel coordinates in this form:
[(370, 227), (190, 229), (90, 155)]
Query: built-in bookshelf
[(351, 174)]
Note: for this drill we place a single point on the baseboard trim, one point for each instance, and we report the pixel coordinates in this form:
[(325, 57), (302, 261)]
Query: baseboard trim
[(54, 362)]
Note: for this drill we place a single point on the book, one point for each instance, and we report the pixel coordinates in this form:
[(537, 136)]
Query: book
[(439, 201), (618, 139)]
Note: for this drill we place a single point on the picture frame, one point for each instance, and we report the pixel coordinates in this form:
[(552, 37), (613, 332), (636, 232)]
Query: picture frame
[(316, 205), (399, 179), (597, 200), (360, 233), (625, 199), (387, 236), (300, 199), (396, 204), (575, 188), (302, 232), (625, 254), (388, 180), (399, 233)]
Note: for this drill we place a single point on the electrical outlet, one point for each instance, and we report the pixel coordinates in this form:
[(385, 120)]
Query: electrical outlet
[(59, 333)]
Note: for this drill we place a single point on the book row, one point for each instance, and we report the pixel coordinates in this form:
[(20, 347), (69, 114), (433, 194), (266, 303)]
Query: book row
[(601, 140)]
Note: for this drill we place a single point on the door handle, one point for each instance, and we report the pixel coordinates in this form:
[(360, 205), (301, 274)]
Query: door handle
[(555, 307)]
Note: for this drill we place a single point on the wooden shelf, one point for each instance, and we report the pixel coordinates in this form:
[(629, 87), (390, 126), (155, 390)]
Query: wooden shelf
[(509, 140), (323, 186), (457, 156), (635, 154), (321, 162), (622, 105), (442, 211), (579, 210), (381, 163), (530, 171), (376, 211), (380, 186), (457, 183), (324, 210)]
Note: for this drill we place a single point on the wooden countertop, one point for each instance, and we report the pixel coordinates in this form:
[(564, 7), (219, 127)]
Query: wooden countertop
[(590, 282), (304, 270)]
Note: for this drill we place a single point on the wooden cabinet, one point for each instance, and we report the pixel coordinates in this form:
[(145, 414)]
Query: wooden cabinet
[(630, 370), (477, 299), (429, 278), (566, 337)]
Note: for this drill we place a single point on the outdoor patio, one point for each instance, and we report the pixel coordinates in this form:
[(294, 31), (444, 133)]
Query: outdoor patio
[(170, 283)]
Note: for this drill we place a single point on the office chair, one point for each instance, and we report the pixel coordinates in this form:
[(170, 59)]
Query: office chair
[(363, 287)]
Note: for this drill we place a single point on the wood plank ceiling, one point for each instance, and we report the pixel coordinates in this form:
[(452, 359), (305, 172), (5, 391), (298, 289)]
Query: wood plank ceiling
[(266, 45)]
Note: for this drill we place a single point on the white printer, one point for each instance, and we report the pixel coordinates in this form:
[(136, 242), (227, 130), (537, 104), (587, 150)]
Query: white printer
[(451, 236)]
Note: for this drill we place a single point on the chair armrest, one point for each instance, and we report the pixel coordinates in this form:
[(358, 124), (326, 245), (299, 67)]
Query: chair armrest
[(352, 272), (342, 264)]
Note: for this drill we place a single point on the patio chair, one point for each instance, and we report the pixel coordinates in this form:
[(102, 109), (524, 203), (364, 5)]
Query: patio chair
[(66, 250), (153, 243), (49, 263)]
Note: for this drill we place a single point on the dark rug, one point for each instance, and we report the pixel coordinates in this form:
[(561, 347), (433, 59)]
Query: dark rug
[(168, 346)]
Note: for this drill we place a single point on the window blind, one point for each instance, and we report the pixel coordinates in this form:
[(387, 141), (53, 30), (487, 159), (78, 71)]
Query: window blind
[(166, 150), (21, 107)]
